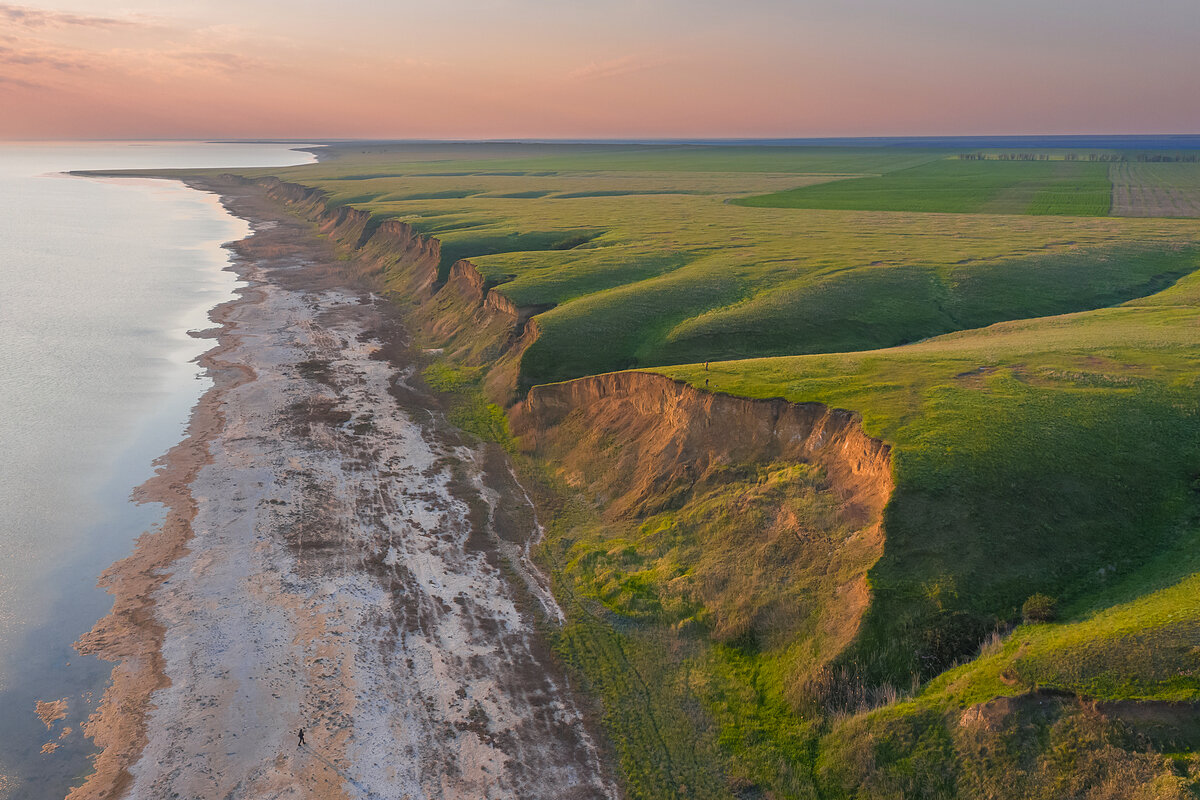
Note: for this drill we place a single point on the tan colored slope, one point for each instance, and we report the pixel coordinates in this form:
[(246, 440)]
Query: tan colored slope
[(640, 444)]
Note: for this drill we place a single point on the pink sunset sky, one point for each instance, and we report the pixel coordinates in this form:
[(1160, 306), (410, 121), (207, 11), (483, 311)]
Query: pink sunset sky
[(605, 68)]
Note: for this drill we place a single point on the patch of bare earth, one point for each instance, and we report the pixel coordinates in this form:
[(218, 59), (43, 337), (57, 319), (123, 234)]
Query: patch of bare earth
[(348, 568), (1155, 190)]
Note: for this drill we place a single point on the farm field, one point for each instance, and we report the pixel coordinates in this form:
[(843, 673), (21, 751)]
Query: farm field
[(1076, 188), (1155, 190), (1022, 624), (456, 159)]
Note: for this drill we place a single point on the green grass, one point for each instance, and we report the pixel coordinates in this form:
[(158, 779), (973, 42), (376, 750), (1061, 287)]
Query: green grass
[(675, 627), (619, 651), (1138, 649), (1036, 747), (1056, 455), (1074, 188), (469, 409), (1033, 744)]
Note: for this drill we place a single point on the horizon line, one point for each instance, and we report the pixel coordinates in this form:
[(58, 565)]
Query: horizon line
[(616, 140)]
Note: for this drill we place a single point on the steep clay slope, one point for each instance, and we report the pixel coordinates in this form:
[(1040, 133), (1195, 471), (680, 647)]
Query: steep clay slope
[(644, 446), (458, 310), (668, 437)]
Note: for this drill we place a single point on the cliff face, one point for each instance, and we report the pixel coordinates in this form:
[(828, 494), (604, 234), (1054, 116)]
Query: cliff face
[(672, 434), (397, 252), (344, 223), (463, 313), (639, 444)]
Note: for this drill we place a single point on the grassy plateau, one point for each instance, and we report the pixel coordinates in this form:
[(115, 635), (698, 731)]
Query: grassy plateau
[(632, 264)]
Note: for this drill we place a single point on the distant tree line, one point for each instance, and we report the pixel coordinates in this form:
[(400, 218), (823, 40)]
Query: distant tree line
[(1184, 158), (1006, 157), (1189, 158)]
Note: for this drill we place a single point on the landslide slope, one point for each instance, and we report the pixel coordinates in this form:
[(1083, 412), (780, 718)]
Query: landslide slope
[(689, 530)]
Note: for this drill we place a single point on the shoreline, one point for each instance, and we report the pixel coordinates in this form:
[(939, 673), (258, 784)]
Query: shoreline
[(129, 635), (142, 633)]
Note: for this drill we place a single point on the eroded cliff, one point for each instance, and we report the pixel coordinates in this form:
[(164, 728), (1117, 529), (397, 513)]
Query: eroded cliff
[(458, 311), (769, 511)]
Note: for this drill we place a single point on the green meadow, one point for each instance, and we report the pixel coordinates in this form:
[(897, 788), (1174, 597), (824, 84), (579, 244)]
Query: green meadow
[(1055, 456), (1025, 335), (1076, 188)]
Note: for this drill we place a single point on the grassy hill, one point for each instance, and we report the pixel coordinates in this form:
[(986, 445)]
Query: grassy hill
[(1054, 455)]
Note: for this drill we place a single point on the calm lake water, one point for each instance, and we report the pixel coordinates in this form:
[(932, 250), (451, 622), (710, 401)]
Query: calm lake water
[(100, 280)]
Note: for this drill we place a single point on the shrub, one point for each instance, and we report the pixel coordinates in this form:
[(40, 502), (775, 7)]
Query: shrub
[(1040, 608)]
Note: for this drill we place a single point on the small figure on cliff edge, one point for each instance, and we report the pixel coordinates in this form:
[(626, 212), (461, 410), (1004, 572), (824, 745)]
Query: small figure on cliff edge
[(706, 366), (301, 742)]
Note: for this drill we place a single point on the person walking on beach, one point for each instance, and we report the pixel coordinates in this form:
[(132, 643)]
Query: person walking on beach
[(301, 742)]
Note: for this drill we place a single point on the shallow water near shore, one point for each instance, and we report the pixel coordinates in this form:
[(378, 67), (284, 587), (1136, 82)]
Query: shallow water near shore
[(102, 280)]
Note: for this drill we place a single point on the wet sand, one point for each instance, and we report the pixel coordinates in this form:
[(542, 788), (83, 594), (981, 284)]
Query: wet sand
[(335, 557)]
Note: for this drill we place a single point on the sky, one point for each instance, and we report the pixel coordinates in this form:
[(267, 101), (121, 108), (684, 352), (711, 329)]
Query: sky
[(469, 69)]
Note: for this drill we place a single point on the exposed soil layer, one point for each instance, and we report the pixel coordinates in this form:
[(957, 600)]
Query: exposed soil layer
[(641, 443), (336, 559), (458, 309), (670, 434)]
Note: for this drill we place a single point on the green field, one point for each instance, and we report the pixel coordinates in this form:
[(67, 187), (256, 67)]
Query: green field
[(456, 160), (1033, 363), (1068, 444), (1076, 188)]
